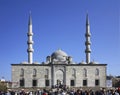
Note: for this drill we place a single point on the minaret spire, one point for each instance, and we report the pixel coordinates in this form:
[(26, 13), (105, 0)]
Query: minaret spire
[(30, 19), (87, 42), (30, 41)]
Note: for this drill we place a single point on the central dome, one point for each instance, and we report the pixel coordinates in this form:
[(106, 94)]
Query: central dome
[(59, 55)]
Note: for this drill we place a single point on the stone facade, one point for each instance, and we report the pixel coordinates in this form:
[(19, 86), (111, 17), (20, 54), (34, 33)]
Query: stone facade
[(48, 75)]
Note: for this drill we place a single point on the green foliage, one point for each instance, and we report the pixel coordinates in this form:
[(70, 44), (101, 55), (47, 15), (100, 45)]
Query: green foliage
[(3, 86), (117, 83)]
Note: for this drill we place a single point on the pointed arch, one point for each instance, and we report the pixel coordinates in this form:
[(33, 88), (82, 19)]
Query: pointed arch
[(34, 72), (73, 72), (85, 72), (59, 77), (22, 72), (46, 73), (97, 72)]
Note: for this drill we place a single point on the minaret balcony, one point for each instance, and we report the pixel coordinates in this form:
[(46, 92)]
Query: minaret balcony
[(87, 35), (30, 42), (29, 34), (87, 43), (88, 51), (30, 50)]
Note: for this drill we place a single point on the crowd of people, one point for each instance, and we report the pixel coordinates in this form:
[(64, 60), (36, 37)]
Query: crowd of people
[(60, 91)]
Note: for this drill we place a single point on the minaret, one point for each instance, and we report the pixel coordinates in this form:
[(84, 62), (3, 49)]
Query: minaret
[(30, 41), (87, 42)]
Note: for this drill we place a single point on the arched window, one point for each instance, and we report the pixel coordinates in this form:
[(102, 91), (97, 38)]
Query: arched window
[(97, 72), (34, 72), (22, 72), (46, 73), (85, 72), (73, 72)]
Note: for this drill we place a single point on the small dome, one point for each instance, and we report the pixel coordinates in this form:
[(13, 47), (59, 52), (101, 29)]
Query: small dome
[(59, 55), (83, 62), (93, 62)]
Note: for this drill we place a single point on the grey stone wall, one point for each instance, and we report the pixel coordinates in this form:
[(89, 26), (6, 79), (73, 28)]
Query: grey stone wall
[(54, 74)]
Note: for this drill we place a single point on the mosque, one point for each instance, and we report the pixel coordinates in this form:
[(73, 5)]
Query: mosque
[(59, 68)]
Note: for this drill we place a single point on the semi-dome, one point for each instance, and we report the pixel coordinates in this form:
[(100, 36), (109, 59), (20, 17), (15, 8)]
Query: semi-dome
[(59, 55)]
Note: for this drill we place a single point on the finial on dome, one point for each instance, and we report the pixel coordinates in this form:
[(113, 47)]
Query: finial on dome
[(59, 49)]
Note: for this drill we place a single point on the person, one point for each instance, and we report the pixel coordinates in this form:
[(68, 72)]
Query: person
[(86, 92), (22, 92), (8, 92), (44, 92), (12, 93), (79, 92), (63, 92), (102, 91), (30, 93), (116, 92), (72, 92)]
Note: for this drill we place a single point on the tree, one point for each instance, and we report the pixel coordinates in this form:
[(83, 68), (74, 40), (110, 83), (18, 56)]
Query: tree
[(3, 86), (116, 82)]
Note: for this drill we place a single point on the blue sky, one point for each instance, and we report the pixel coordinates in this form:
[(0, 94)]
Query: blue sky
[(59, 24)]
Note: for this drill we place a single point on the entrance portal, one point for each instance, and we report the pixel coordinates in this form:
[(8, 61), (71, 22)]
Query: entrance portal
[(59, 77)]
